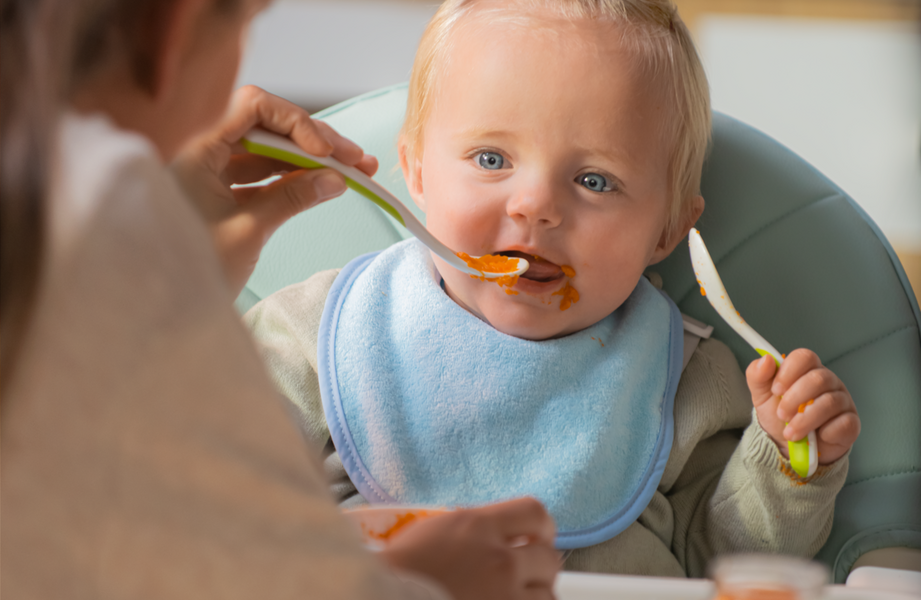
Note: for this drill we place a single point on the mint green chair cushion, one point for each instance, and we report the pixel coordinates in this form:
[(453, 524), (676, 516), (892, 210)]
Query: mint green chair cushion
[(802, 262)]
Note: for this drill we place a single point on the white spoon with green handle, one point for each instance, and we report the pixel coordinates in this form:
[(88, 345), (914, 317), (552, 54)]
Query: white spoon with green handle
[(804, 455), (271, 145)]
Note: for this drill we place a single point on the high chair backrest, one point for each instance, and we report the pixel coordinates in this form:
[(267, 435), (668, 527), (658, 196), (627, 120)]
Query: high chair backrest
[(802, 262)]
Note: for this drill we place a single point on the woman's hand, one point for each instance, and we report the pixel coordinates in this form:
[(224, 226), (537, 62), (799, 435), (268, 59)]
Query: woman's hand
[(809, 397), (242, 220), (502, 551)]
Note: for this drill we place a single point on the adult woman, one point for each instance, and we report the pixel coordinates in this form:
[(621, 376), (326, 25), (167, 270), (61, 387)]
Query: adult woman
[(143, 453)]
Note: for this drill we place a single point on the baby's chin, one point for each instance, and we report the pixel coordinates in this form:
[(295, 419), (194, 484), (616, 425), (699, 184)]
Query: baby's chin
[(523, 320)]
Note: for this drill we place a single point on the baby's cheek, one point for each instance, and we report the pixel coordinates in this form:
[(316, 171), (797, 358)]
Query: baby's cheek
[(603, 293), (460, 225)]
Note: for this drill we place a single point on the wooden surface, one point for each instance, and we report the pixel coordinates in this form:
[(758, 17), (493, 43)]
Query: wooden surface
[(892, 10)]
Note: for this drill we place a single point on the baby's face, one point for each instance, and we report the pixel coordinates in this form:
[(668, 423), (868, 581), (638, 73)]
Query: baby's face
[(544, 141)]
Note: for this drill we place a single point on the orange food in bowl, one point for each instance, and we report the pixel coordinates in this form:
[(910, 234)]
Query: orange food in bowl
[(748, 593)]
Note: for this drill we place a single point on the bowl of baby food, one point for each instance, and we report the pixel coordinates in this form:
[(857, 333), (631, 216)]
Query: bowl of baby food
[(378, 524), (768, 577)]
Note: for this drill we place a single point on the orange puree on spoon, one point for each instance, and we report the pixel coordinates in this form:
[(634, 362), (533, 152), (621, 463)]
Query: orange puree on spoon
[(494, 263)]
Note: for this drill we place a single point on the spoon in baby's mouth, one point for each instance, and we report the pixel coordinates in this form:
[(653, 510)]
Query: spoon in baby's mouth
[(271, 145), (541, 269)]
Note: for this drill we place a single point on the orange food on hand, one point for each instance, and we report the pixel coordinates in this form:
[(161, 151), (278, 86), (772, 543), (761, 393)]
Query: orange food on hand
[(402, 521), (802, 407)]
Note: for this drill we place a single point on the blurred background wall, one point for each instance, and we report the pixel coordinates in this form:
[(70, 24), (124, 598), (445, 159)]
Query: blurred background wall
[(837, 81)]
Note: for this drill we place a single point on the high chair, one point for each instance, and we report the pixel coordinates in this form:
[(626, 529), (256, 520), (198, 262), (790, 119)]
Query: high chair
[(802, 261)]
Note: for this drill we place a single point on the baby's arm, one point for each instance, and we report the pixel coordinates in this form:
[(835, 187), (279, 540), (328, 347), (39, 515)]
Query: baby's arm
[(740, 496), (285, 326)]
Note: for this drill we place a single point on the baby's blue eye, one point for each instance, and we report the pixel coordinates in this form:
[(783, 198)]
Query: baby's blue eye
[(491, 160), (594, 182)]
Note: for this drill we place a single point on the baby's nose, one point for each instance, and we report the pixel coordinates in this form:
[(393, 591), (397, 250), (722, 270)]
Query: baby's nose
[(536, 204)]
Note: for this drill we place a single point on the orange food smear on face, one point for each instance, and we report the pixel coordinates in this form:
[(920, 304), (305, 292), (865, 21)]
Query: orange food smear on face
[(568, 271), (570, 296)]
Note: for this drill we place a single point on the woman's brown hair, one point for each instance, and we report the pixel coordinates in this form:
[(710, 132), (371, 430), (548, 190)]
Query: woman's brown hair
[(47, 47)]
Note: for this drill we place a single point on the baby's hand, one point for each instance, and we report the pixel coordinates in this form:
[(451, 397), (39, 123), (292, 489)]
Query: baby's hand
[(809, 397)]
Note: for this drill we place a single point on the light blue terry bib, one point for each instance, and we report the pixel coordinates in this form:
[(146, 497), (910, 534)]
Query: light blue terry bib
[(427, 404)]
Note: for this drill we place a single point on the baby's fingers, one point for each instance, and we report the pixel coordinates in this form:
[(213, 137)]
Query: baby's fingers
[(837, 436), (809, 384), (815, 413), (760, 376)]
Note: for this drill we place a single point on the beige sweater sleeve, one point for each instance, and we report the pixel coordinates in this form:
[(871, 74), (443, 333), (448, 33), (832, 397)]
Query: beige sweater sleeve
[(732, 495), (285, 327)]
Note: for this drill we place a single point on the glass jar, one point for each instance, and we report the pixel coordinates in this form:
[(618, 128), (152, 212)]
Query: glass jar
[(768, 577)]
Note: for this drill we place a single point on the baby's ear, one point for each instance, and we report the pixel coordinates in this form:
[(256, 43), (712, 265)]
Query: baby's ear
[(669, 242), (412, 174)]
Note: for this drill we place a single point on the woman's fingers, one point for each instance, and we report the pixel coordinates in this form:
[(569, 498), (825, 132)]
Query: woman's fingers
[(250, 168), (346, 151), (523, 517), (251, 106), (501, 551), (294, 193), (254, 107), (538, 565)]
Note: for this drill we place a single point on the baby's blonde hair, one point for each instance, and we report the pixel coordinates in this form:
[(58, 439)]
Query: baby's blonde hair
[(654, 33)]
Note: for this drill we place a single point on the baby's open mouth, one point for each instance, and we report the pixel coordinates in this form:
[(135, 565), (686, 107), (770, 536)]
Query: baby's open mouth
[(540, 269)]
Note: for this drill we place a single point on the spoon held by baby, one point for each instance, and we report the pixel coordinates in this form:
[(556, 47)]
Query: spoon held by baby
[(803, 453)]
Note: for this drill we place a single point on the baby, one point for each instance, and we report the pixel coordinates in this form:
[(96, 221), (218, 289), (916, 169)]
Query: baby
[(571, 133)]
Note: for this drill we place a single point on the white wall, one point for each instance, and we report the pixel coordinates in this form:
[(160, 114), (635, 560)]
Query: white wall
[(844, 95), (318, 52)]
